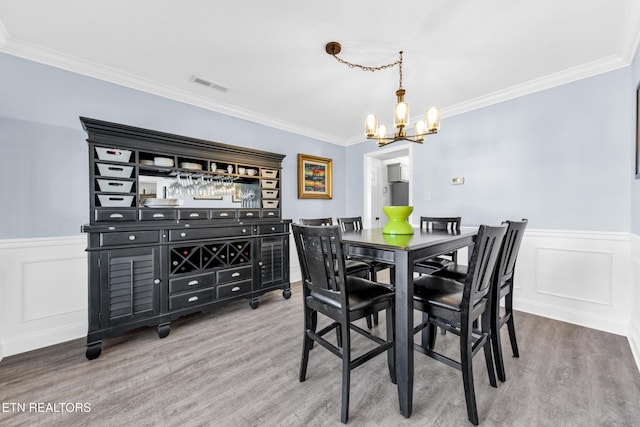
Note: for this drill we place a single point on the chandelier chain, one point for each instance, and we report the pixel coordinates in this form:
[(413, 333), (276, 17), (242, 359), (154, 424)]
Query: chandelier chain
[(372, 69)]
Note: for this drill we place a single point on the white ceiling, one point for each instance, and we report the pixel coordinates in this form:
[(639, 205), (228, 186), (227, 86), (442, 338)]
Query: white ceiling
[(458, 55)]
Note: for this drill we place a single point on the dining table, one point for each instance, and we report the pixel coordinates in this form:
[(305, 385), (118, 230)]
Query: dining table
[(402, 251)]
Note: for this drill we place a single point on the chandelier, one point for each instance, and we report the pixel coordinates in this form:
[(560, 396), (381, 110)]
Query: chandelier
[(422, 128)]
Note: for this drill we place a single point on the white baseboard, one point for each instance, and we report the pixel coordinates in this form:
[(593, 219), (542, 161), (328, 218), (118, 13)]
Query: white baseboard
[(634, 337)]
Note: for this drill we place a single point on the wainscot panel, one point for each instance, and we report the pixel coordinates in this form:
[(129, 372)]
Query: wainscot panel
[(577, 277), (43, 292)]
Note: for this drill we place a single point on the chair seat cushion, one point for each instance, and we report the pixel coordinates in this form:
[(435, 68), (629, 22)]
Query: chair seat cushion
[(362, 294), (438, 291), (453, 271)]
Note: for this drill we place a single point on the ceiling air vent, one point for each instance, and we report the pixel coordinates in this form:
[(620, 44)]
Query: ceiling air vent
[(209, 84)]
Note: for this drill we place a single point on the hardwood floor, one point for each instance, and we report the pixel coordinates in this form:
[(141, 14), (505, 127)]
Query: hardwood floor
[(239, 367)]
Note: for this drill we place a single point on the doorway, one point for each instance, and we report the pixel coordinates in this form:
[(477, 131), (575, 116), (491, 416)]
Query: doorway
[(377, 189)]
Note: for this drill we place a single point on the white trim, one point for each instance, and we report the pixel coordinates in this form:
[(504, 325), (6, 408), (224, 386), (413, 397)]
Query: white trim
[(634, 338), (634, 323), (629, 43)]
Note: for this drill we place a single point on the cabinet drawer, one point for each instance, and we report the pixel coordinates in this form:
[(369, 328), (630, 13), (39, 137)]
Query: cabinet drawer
[(249, 213), (272, 228), (207, 233), (193, 214), (238, 288), (108, 215), (129, 238), (157, 214), (191, 298), (223, 214), (233, 274), (270, 213), (191, 283)]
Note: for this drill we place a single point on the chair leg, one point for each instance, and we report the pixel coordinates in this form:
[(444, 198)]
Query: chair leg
[(311, 318), (391, 353), (486, 331), (497, 343), (346, 373), (369, 321), (511, 326), (375, 318), (466, 362)]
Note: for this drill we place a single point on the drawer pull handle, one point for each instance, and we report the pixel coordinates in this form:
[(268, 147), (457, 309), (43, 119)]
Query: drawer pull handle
[(116, 184), (158, 215), (249, 213), (116, 215), (270, 214), (194, 215), (132, 237), (244, 230), (224, 214), (113, 168), (273, 229), (192, 283), (235, 289), (236, 274), (183, 234), (192, 299), (157, 281)]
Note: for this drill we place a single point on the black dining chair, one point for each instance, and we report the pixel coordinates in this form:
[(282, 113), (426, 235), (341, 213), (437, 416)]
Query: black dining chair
[(457, 305), (354, 267), (342, 298), (353, 224), (449, 224), (502, 288)]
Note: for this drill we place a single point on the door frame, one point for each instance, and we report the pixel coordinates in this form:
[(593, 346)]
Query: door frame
[(383, 154)]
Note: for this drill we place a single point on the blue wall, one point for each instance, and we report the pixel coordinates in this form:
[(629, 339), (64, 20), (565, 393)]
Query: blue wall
[(558, 157), (562, 157), (635, 187), (43, 153)]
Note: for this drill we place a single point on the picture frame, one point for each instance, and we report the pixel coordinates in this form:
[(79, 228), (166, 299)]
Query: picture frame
[(315, 176), (638, 131)]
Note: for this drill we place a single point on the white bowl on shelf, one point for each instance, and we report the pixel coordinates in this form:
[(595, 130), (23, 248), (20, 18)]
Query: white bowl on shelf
[(163, 161), (191, 166)]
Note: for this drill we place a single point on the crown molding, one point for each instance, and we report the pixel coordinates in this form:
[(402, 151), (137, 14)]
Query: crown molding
[(79, 66), (629, 43)]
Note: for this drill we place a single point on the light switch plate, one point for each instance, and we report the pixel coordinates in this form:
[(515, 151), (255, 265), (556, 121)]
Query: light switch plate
[(457, 180)]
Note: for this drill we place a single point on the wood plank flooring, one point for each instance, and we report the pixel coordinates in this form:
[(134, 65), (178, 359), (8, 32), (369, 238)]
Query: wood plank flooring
[(239, 367)]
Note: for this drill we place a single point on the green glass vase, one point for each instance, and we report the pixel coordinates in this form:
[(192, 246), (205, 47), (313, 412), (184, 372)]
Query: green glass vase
[(397, 223)]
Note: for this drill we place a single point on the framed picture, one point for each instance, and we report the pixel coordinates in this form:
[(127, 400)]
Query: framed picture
[(638, 132), (314, 177)]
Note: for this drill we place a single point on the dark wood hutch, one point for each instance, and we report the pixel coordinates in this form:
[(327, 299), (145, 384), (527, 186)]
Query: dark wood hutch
[(178, 225)]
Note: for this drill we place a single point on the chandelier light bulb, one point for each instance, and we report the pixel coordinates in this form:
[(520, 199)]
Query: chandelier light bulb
[(371, 125), (433, 119)]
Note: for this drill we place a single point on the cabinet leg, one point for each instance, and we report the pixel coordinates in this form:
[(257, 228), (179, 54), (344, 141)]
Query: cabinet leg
[(254, 303), (164, 329), (286, 294), (93, 350)]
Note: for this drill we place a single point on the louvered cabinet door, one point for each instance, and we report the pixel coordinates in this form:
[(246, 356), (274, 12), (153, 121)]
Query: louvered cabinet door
[(130, 285), (274, 257)]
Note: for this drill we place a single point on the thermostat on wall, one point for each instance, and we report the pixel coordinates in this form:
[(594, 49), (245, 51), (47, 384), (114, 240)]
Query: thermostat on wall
[(457, 180)]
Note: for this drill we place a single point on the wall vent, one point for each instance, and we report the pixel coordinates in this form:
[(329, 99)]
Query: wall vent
[(209, 84)]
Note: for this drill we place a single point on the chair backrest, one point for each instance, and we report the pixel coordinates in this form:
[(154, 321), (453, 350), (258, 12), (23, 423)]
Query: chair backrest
[(509, 253), (316, 221), (452, 223), (320, 251), (482, 263), (351, 223)]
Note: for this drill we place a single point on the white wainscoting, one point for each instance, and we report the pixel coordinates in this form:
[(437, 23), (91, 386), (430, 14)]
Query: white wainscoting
[(586, 278), (43, 292), (577, 277)]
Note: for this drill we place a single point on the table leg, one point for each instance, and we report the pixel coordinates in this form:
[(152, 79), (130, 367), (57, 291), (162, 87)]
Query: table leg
[(404, 331)]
